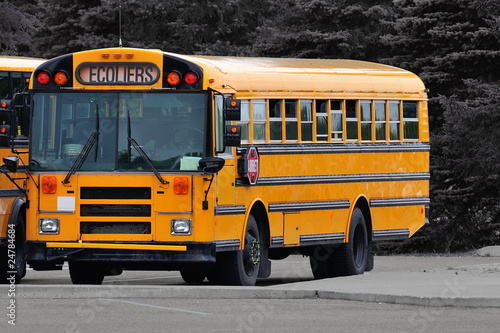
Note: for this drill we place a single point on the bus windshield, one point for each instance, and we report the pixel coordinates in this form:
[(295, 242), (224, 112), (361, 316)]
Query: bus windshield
[(168, 127)]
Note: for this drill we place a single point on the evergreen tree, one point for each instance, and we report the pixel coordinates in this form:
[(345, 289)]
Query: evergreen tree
[(454, 46), (184, 26), (323, 29), (17, 27), (447, 41), (60, 26), (466, 172)]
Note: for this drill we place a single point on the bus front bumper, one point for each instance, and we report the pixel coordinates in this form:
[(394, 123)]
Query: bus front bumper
[(151, 252)]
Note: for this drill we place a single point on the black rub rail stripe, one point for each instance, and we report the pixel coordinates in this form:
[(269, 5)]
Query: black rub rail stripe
[(392, 202), (329, 179), (230, 210), (11, 193), (312, 205), (337, 148)]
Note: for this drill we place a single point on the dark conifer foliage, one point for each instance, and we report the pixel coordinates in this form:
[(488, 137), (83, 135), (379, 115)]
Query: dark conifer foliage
[(453, 45), (16, 28)]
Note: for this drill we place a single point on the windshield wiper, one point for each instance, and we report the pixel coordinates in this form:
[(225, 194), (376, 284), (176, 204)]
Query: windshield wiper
[(141, 152), (147, 160), (91, 141), (82, 156)]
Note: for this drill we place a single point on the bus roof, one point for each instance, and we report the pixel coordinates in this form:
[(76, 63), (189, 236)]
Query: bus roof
[(25, 64), (254, 77), (302, 75)]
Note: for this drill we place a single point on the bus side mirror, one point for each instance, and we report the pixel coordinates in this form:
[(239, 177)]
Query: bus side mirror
[(211, 165), (5, 136), (6, 105), (232, 137), (232, 109), (11, 163), (5, 111)]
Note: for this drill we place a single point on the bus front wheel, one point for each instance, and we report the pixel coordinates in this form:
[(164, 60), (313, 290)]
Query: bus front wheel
[(241, 267), (13, 254), (86, 272), (193, 276)]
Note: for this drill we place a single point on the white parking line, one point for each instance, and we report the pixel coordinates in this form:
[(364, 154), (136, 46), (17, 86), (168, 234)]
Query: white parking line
[(154, 306)]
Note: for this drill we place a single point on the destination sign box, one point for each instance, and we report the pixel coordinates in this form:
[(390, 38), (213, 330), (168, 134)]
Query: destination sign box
[(117, 73)]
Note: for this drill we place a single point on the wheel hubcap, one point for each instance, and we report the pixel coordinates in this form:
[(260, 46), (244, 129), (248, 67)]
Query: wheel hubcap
[(251, 256)]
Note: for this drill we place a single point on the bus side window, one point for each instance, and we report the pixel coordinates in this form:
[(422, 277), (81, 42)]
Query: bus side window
[(291, 120), (321, 120), (380, 121), (18, 82), (410, 120), (219, 123), (306, 120), (337, 124), (259, 120), (366, 120), (275, 119), (245, 121), (4, 85), (351, 112), (394, 120)]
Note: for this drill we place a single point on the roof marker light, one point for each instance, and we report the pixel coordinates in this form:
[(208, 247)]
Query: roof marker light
[(105, 55), (117, 55), (191, 78), (61, 78), (129, 55), (173, 78), (43, 77)]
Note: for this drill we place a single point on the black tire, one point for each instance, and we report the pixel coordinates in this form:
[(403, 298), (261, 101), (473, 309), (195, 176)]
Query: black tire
[(347, 259), (322, 262), (86, 272), (3, 265), (351, 258), (241, 267), (20, 249), (19, 256), (193, 276)]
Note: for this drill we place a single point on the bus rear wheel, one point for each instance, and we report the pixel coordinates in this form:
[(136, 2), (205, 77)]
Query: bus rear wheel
[(350, 258), (241, 267), (86, 272)]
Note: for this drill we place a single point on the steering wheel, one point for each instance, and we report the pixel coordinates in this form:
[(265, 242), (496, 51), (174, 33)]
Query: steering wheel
[(184, 137)]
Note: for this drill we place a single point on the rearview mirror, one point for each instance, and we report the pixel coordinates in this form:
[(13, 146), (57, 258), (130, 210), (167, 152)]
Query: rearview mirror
[(11, 163), (211, 165)]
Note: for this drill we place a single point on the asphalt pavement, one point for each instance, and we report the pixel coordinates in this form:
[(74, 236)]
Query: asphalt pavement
[(471, 280)]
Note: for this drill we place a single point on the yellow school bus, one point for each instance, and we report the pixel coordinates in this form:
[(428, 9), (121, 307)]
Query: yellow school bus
[(214, 166), (14, 127)]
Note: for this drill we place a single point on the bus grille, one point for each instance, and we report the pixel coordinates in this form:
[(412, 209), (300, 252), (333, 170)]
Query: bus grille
[(118, 193), (115, 228), (115, 210)]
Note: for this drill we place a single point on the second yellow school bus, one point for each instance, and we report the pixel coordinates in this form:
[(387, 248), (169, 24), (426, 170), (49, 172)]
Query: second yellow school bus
[(213, 166), (14, 128)]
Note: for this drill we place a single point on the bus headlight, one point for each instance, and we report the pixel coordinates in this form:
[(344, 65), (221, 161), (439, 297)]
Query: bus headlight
[(48, 226), (180, 226)]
